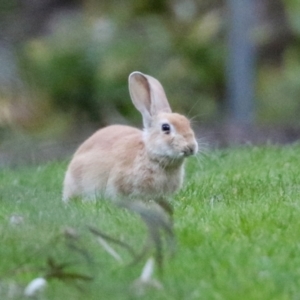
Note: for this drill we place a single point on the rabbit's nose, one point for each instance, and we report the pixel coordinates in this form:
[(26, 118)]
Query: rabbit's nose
[(189, 150)]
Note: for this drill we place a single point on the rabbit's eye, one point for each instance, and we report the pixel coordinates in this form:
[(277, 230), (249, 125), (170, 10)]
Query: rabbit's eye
[(166, 128)]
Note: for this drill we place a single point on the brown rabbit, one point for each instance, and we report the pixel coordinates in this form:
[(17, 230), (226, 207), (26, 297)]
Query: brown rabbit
[(122, 161)]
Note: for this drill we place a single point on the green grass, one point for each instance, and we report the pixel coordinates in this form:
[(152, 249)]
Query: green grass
[(237, 222)]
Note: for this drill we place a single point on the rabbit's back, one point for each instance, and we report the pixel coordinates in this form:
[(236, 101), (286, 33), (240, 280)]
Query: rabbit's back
[(108, 139)]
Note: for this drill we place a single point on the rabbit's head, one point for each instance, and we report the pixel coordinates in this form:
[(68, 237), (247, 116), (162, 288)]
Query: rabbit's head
[(168, 136)]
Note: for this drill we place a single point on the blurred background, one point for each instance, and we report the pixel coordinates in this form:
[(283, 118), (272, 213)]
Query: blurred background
[(233, 67)]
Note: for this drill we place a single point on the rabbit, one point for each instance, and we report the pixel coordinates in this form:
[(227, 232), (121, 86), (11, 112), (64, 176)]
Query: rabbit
[(122, 161)]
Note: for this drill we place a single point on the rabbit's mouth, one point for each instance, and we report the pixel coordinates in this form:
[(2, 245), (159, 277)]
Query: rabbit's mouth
[(189, 150)]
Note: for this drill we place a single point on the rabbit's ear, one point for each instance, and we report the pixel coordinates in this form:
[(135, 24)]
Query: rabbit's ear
[(148, 96)]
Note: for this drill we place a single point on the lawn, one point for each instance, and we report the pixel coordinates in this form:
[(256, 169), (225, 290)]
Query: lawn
[(237, 223)]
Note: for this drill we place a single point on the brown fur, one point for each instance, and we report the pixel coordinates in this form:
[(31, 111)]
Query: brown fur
[(122, 161)]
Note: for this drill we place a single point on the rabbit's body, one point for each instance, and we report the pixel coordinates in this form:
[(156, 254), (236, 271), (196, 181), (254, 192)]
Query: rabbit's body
[(122, 161), (133, 174)]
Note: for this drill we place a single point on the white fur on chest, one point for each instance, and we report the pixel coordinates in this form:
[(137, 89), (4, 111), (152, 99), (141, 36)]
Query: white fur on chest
[(146, 181)]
